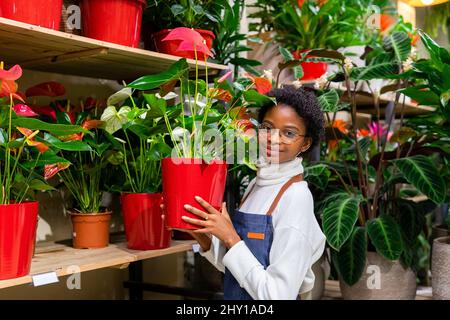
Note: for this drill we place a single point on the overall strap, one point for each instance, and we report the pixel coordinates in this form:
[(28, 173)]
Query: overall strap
[(283, 189)]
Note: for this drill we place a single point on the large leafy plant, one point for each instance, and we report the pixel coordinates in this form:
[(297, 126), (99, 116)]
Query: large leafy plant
[(26, 143), (369, 181)]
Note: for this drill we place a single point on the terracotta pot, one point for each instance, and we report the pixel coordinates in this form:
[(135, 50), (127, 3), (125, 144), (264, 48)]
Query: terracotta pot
[(382, 280), (90, 230), (44, 13), (117, 21), (171, 46), (18, 223), (144, 228), (440, 269), (183, 179)]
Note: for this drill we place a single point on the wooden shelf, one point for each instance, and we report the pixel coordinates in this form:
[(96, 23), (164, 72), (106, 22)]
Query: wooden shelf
[(365, 104), (59, 258), (333, 291), (47, 50)]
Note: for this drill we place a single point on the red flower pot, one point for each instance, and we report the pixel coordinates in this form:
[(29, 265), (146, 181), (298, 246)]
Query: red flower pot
[(18, 224), (117, 21), (144, 228), (311, 70), (171, 46), (44, 13), (183, 181)]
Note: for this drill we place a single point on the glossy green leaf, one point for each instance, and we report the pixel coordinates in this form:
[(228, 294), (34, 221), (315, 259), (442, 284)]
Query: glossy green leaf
[(351, 258), (329, 101), (385, 235), (55, 129)]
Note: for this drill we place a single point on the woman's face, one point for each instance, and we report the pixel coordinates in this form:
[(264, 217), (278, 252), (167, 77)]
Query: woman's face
[(282, 134)]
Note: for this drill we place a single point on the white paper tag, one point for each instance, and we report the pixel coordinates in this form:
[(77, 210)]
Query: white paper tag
[(196, 247), (44, 278)]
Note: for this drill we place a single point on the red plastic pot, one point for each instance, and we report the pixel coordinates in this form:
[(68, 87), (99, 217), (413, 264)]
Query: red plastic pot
[(117, 21), (44, 13), (183, 181), (144, 228), (311, 70), (171, 46), (18, 224)]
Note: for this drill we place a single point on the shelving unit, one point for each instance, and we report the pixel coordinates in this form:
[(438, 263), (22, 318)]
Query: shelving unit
[(59, 258), (43, 49)]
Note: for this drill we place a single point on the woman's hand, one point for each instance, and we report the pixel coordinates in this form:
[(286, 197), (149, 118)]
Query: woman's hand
[(214, 222), (203, 240)]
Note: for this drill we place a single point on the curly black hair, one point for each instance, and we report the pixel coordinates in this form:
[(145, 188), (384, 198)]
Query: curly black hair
[(305, 103)]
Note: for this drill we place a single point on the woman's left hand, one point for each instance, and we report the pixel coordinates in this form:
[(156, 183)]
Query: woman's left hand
[(214, 222)]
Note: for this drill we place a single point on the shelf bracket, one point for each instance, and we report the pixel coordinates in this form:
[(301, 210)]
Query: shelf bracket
[(76, 55)]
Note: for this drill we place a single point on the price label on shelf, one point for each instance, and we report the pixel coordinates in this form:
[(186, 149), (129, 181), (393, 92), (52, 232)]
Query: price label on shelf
[(44, 279)]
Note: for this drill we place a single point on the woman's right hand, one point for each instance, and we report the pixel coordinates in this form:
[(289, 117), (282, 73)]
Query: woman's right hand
[(203, 239)]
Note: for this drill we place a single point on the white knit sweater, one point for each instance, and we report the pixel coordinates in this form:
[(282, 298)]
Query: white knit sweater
[(297, 244)]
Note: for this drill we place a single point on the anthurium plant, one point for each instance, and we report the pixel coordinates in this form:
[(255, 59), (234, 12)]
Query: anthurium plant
[(370, 177), (137, 136), (198, 119), (26, 143)]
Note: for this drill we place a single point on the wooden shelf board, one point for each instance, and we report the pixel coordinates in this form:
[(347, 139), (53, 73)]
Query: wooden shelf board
[(59, 258), (47, 50), (333, 291)]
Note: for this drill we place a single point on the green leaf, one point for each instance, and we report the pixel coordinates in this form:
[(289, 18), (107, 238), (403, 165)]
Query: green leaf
[(318, 175), (286, 54), (177, 71), (67, 146), (422, 173), (159, 151), (325, 53), (244, 61), (40, 185), (426, 98), (351, 258), (55, 129), (399, 43), (329, 101), (256, 99), (339, 217), (298, 72), (380, 68), (385, 235), (411, 220), (157, 106)]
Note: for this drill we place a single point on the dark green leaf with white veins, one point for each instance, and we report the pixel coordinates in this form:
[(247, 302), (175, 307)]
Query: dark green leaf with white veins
[(339, 217), (351, 258), (385, 235)]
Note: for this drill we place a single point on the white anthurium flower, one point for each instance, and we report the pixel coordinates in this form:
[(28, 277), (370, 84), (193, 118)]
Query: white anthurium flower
[(268, 74), (119, 96), (169, 96), (115, 119)]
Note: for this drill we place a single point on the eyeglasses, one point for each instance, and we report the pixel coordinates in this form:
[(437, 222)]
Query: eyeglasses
[(287, 136)]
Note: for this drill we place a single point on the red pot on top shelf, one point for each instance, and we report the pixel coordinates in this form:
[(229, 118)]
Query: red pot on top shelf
[(44, 13), (117, 21)]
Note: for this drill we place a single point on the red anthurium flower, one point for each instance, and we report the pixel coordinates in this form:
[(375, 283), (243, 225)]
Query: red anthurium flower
[(263, 85), (88, 125), (30, 134), (191, 40), (244, 127), (46, 89), (51, 169), (12, 74), (221, 94), (44, 111), (225, 76), (24, 110)]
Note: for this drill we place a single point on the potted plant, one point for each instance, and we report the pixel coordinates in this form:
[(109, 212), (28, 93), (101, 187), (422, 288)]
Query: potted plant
[(301, 26), (140, 143), (32, 12), (197, 126), (370, 221), (117, 21), (429, 85), (24, 152), (163, 16)]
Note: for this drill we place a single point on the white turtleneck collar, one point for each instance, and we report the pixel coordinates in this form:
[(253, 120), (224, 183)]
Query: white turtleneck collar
[(275, 173)]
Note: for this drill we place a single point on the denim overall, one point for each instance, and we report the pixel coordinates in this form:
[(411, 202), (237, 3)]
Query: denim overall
[(257, 232)]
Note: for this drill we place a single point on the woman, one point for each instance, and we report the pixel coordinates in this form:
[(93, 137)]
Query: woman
[(266, 249)]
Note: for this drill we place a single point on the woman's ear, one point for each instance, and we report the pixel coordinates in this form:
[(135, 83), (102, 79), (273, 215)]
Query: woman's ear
[(306, 145)]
